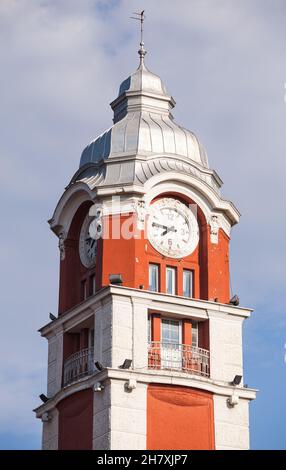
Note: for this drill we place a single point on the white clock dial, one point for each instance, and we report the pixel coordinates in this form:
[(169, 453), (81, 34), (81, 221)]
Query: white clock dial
[(87, 245), (172, 228)]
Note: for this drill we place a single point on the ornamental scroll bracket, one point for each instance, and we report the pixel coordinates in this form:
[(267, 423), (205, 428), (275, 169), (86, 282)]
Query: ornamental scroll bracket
[(141, 211), (61, 245), (215, 226), (96, 225)]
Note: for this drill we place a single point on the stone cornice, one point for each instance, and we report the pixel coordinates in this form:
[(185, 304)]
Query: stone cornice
[(155, 300), (147, 377)]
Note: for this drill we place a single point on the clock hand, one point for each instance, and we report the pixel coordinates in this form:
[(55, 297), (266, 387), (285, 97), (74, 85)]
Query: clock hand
[(169, 229), (159, 225)]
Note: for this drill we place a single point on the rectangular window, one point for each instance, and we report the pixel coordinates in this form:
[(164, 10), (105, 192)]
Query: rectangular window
[(153, 277), (149, 330), (171, 347), (195, 334), (83, 290), (92, 285), (171, 280), (91, 338), (171, 331), (187, 283)]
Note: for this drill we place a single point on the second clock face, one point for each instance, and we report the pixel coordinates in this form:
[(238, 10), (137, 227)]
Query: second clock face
[(172, 228), (87, 245)]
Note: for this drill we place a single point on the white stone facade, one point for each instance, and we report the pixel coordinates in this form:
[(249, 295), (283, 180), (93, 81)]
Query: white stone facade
[(231, 424), (55, 354), (51, 431), (120, 324)]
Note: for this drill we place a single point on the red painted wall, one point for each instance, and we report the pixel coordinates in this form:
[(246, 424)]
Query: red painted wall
[(75, 421), (72, 272), (118, 255), (209, 262), (131, 257), (179, 418), (218, 268)]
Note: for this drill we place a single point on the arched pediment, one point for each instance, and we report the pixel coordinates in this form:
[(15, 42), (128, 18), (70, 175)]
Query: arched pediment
[(194, 188), (67, 206)]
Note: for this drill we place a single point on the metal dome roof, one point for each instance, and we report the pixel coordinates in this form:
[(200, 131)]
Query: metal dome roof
[(143, 124), (145, 133), (143, 79)]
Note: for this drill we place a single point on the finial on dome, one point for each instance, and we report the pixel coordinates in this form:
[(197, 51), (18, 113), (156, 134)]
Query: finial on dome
[(142, 51)]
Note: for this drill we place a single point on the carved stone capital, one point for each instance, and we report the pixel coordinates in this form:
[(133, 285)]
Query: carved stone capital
[(62, 237), (96, 225), (215, 225), (141, 210)]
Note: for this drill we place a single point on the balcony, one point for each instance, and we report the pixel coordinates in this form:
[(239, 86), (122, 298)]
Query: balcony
[(161, 356), (78, 365), (179, 357)]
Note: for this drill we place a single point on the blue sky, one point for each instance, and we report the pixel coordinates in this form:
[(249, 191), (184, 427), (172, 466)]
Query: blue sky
[(61, 65)]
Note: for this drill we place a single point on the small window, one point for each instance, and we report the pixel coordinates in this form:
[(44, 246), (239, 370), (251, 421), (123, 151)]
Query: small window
[(187, 283), (83, 290), (171, 331), (92, 285), (149, 330), (153, 277), (195, 334), (171, 280), (91, 338)]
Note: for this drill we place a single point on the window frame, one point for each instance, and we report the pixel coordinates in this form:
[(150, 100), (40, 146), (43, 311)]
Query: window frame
[(180, 324), (195, 328), (91, 338), (83, 288), (92, 284), (173, 270), (149, 330), (157, 277), (191, 283)]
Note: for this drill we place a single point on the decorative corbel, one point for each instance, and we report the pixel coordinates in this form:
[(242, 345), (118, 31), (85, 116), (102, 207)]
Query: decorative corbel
[(140, 209), (233, 400), (95, 227), (215, 225), (61, 245)]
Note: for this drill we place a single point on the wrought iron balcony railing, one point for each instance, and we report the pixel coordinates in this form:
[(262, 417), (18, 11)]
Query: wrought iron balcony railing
[(179, 357), (161, 356), (78, 365)]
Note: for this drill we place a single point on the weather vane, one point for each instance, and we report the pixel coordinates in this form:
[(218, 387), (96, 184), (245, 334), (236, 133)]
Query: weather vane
[(140, 17)]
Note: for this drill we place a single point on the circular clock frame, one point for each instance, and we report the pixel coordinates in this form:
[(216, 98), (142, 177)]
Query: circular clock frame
[(182, 230), (87, 244)]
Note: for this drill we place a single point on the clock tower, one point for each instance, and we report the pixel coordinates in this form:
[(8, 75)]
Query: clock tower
[(146, 350)]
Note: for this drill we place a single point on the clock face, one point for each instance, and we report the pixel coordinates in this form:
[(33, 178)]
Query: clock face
[(87, 245), (172, 228)]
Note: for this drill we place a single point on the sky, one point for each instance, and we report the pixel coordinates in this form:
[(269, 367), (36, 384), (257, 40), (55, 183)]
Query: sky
[(61, 65)]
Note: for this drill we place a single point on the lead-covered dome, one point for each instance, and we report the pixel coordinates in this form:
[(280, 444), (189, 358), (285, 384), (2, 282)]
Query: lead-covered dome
[(143, 124), (143, 79)]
